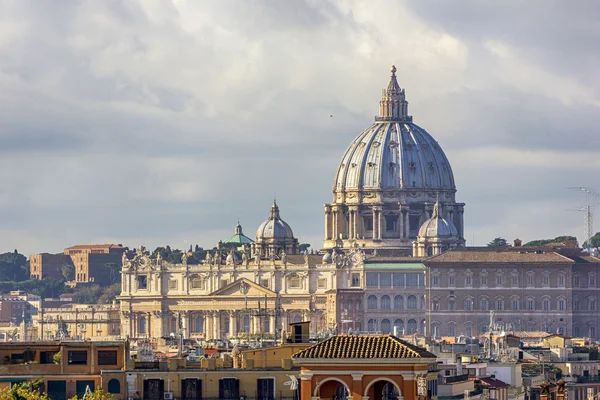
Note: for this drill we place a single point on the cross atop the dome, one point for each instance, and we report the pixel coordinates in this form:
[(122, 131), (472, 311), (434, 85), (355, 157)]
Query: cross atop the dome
[(393, 105)]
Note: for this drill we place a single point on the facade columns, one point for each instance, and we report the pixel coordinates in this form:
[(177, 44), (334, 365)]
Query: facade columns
[(233, 316), (272, 325), (216, 325)]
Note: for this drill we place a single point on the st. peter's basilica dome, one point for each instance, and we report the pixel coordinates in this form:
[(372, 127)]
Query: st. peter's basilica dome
[(388, 181)]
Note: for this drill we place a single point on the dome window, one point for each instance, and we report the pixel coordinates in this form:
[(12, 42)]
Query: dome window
[(371, 164)]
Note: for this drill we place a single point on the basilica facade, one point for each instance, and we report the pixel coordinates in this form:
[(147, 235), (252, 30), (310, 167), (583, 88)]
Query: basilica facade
[(393, 197)]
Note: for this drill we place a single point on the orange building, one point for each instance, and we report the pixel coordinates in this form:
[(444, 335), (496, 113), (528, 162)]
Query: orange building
[(98, 263), (366, 367)]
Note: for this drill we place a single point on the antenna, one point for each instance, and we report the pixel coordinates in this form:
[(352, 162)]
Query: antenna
[(592, 198)]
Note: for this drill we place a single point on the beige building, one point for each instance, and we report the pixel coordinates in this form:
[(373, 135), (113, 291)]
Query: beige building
[(79, 321)]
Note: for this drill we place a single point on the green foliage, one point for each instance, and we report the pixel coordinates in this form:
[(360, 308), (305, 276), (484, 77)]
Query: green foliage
[(543, 242), (109, 293), (174, 255), (56, 358), (303, 247), (24, 391), (595, 241), (97, 394), (498, 242), (47, 287), (13, 267), (87, 294), (68, 272)]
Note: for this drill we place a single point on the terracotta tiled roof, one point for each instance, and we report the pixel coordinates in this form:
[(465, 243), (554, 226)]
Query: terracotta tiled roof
[(367, 347), (494, 383), (498, 257)]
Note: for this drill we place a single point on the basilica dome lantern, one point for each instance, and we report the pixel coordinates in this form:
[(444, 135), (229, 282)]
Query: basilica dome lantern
[(387, 183)]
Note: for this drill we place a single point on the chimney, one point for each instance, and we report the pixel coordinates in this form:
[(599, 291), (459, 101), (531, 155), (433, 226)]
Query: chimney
[(517, 242)]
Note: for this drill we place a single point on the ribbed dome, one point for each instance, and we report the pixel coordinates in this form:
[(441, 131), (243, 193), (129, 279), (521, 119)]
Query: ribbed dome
[(394, 153), (437, 226), (274, 227)]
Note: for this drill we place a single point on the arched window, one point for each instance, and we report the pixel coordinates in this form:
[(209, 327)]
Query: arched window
[(389, 392), (468, 304), (484, 304), (422, 302), (372, 302), (429, 251), (546, 306), (398, 302), (341, 393), (412, 302), (297, 319), (114, 386), (386, 326), (562, 304), (142, 325), (412, 327), (371, 325), (199, 324), (399, 326), (386, 303)]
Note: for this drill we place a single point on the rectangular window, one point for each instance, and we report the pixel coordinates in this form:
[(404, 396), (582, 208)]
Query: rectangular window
[(530, 304), (295, 282), (451, 280), (47, 357), (592, 281), (385, 279), (322, 283), (372, 280), (451, 330), (107, 357), (530, 281), (265, 283), (576, 304), (368, 223), (435, 280), (515, 305), (483, 305), (355, 280), (546, 280), (499, 280), (76, 357), (172, 284), (576, 281), (229, 388), (499, 305), (412, 280), (468, 281), (265, 389), (514, 280), (224, 282), (561, 281), (390, 223), (546, 305), (451, 305), (198, 284), (398, 280), (483, 280), (142, 282)]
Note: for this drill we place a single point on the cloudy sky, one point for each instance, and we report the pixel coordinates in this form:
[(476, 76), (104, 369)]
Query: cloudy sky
[(162, 122)]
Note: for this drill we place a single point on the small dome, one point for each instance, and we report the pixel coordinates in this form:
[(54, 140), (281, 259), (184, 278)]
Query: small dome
[(274, 227), (437, 226), (327, 258)]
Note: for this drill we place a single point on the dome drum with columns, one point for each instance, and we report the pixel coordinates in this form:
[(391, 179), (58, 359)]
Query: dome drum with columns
[(274, 237), (388, 182)]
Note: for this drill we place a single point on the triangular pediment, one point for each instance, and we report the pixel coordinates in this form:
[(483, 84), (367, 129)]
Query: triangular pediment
[(243, 287)]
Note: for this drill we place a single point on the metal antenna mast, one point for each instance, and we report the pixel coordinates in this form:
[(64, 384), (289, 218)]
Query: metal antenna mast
[(592, 198)]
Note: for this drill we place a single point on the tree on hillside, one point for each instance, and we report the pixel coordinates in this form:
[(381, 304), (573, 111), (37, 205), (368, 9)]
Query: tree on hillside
[(544, 242), (113, 271), (87, 294), (109, 293), (68, 272), (595, 241), (498, 242), (13, 267)]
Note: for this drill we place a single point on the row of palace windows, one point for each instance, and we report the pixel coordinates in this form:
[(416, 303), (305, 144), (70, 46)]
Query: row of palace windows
[(395, 279), (513, 304), (468, 330), (499, 280), (398, 327), (385, 302)]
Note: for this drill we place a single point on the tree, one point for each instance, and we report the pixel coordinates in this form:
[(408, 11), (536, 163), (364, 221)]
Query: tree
[(498, 242), (544, 242), (109, 293), (13, 267), (595, 241), (303, 247), (24, 391), (68, 272), (97, 394), (88, 294)]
